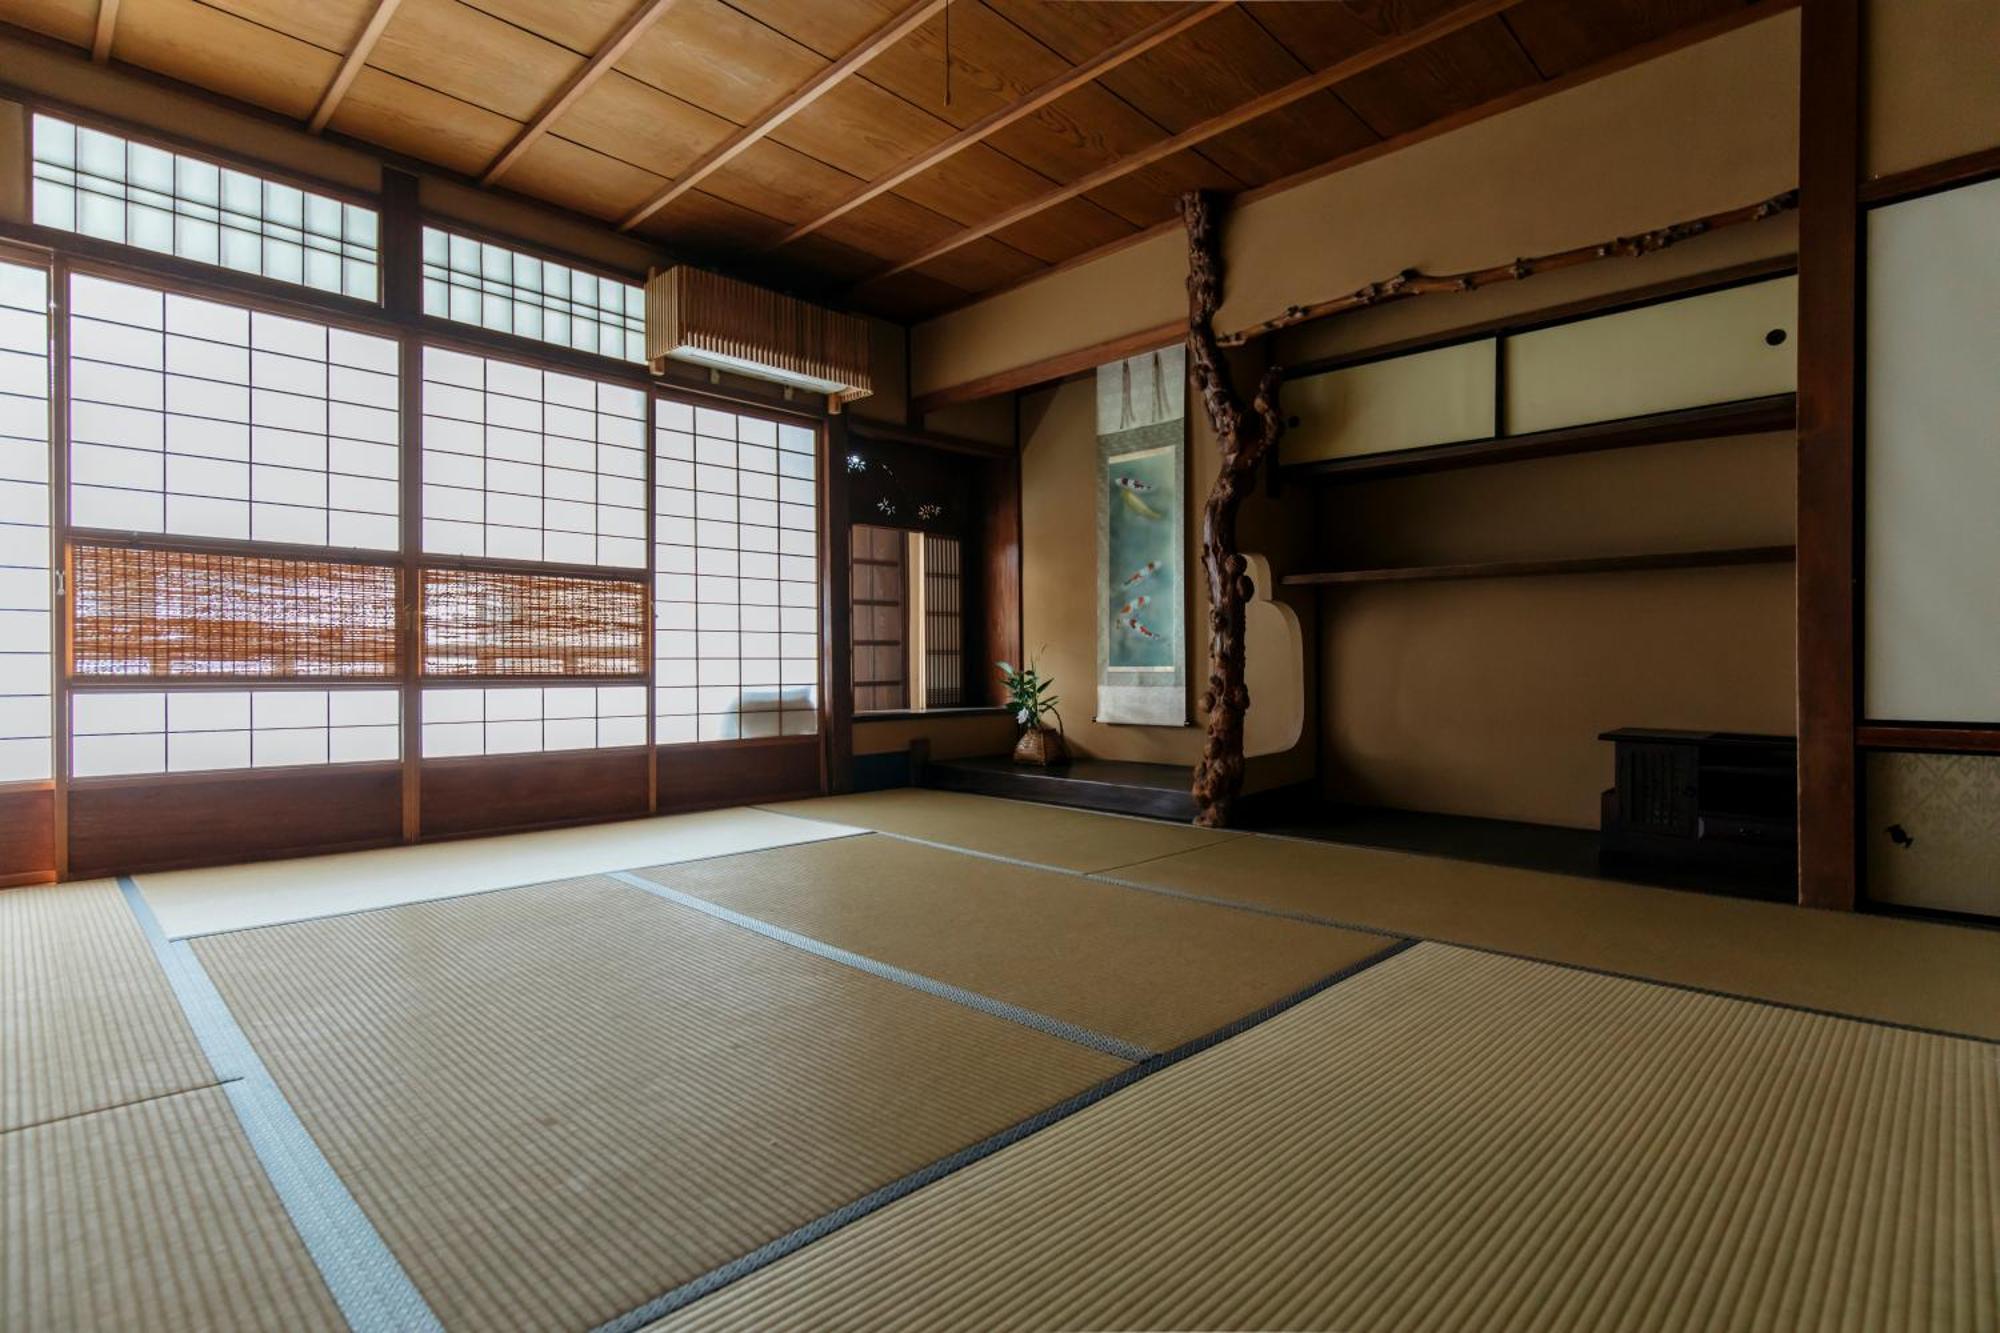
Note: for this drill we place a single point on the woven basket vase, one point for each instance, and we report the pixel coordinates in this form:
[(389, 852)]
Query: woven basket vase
[(1039, 745)]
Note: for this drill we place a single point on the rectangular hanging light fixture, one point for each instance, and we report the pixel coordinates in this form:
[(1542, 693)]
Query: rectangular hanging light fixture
[(705, 319)]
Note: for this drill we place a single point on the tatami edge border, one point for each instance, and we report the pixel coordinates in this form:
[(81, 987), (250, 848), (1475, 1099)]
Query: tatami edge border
[(943, 990), (846, 831), (821, 1227), (1111, 877), (364, 1278)]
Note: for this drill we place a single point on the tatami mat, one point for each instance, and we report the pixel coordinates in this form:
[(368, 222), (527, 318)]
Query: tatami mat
[(153, 1216), (87, 1020), (1152, 970), (1043, 834), (1456, 1140), (222, 898), (556, 1103), (1925, 975)]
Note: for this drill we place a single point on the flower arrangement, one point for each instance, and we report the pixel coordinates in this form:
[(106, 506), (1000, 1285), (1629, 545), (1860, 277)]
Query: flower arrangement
[(1028, 695)]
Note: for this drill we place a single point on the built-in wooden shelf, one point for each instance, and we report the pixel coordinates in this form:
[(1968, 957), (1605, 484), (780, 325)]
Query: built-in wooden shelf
[(1751, 416), (1589, 564)]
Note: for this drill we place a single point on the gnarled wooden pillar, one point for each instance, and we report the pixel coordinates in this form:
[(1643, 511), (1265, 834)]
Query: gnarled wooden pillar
[(1244, 435)]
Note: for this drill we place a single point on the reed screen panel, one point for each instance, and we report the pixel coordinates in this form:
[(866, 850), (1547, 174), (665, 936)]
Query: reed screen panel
[(494, 623), (176, 614)]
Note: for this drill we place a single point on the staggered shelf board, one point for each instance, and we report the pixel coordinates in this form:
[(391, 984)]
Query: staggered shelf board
[(1751, 416), (1590, 564), (1965, 738)]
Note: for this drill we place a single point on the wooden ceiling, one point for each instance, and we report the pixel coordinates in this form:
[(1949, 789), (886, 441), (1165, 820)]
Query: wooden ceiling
[(831, 143)]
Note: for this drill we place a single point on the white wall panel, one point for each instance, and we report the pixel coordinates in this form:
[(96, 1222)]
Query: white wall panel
[(1714, 348), (1932, 450)]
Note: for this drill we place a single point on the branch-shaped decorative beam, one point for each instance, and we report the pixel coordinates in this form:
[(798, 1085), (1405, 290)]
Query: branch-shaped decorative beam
[(107, 25), (1140, 42), (609, 54), (811, 91), (1411, 282), (1389, 48), (351, 66), (1243, 435)]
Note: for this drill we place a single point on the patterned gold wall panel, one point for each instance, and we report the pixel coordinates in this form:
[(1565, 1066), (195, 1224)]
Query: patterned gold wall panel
[(1947, 806)]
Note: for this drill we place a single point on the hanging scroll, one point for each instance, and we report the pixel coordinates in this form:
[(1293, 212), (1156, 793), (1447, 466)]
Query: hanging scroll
[(1141, 539)]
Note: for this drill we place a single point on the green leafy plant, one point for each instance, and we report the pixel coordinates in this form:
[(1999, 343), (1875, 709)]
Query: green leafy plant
[(1027, 694)]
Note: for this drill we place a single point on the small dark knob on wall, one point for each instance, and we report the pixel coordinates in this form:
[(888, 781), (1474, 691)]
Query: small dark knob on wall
[(1775, 338), (1901, 837)]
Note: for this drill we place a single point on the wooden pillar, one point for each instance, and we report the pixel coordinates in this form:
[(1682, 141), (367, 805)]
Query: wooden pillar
[(1830, 112), (836, 618)]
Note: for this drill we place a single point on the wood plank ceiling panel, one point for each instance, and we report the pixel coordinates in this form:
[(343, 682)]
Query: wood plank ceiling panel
[(224, 53), (1565, 35), (581, 25), (626, 118), (721, 60), (1077, 134), (421, 122), (831, 29), (862, 129), (331, 25), (1222, 65), (580, 178), (72, 21), (1457, 71), (452, 48)]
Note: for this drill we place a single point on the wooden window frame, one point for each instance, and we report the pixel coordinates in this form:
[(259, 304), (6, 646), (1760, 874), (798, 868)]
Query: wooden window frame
[(62, 254)]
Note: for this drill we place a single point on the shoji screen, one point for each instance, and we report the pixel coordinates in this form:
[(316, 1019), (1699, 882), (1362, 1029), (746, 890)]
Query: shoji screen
[(25, 619), (1932, 445), (736, 598)]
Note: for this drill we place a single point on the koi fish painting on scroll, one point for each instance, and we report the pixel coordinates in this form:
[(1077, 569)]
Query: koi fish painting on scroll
[(1141, 538)]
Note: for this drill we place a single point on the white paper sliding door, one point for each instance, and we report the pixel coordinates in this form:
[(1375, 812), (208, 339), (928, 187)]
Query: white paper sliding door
[(1932, 449)]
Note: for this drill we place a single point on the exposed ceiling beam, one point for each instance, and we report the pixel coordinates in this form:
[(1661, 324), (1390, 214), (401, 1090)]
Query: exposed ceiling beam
[(600, 64), (1068, 82), (356, 58), (1381, 52), (814, 88), (107, 23)]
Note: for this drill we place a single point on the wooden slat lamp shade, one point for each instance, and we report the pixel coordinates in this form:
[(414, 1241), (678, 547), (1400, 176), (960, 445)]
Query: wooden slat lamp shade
[(489, 623), (711, 320), (180, 614)]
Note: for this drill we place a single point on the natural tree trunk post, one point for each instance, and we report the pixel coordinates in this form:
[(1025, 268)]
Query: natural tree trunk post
[(1243, 437)]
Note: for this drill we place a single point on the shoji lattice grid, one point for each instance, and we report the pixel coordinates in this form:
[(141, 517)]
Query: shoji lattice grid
[(736, 596), (115, 189), (153, 731), (529, 464), (203, 418), (524, 719), (944, 625), (25, 590), (476, 282)]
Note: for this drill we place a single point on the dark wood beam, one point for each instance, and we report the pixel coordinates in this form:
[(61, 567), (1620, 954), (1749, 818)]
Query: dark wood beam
[(980, 130), (631, 30), (749, 136), (1389, 48), (1829, 344), (357, 56), (1060, 366), (1515, 569)]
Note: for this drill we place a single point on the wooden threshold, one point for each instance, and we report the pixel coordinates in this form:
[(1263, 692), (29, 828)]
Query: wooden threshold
[(1590, 564), (1752, 416)]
